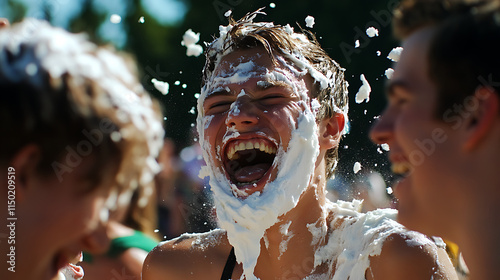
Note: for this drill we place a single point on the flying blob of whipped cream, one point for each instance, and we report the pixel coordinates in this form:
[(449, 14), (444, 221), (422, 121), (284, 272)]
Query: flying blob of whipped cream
[(246, 216)]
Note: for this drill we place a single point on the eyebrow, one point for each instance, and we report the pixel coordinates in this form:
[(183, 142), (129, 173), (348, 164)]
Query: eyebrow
[(218, 92), (267, 84), (261, 85), (391, 87)]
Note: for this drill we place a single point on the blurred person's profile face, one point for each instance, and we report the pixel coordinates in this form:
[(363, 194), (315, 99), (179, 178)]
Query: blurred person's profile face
[(56, 219), (415, 134)]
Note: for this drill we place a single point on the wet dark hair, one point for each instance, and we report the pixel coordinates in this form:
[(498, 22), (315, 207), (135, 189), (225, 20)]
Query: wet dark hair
[(463, 51), (411, 15), (464, 55)]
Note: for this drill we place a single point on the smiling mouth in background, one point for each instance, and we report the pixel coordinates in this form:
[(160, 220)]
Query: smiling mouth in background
[(248, 161), (401, 170)]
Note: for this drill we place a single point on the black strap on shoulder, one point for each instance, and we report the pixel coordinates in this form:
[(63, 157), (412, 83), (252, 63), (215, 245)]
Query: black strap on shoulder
[(229, 267)]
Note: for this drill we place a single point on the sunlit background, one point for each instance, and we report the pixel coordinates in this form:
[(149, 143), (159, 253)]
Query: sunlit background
[(152, 31)]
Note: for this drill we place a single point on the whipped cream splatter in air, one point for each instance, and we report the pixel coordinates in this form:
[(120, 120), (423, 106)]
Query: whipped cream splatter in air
[(372, 32), (357, 167), (395, 53), (310, 21), (189, 40), (162, 87), (364, 91), (388, 73)]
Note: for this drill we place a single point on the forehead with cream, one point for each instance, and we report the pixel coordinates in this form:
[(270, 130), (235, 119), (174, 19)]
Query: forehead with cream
[(240, 66), (242, 61)]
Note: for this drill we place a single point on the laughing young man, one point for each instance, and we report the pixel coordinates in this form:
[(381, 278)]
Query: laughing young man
[(443, 125), (271, 114)]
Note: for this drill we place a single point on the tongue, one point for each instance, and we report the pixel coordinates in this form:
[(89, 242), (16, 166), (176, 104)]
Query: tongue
[(251, 173)]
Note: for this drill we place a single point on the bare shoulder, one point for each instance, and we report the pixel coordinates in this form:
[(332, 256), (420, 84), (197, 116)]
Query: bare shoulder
[(189, 256), (410, 256)]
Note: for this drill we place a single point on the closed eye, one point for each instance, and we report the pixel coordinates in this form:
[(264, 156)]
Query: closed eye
[(272, 99), (218, 103), (271, 96)]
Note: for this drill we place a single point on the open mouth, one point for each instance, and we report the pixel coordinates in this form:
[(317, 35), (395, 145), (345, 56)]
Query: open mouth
[(248, 161)]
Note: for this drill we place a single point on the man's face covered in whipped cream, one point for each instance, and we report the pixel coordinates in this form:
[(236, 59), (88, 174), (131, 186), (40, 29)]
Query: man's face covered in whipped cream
[(248, 112), (259, 140)]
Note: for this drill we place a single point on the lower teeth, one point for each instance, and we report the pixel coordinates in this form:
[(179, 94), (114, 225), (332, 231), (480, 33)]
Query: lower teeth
[(242, 184)]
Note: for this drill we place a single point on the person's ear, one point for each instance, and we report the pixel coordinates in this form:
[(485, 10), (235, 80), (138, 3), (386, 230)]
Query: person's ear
[(330, 131), (482, 117), (25, 163)]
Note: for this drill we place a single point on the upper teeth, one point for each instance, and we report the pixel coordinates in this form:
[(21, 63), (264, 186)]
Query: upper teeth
[(249, 145), (400, 168)]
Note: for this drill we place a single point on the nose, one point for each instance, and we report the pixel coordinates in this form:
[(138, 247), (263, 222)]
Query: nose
[(242, 114), (383, 130)]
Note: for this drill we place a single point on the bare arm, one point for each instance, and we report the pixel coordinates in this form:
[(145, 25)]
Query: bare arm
[(399, 260), (179, 259), (163, 262)]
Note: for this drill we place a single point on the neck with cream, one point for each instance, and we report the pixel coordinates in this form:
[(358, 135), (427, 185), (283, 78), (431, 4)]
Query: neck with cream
[(288, 247)]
